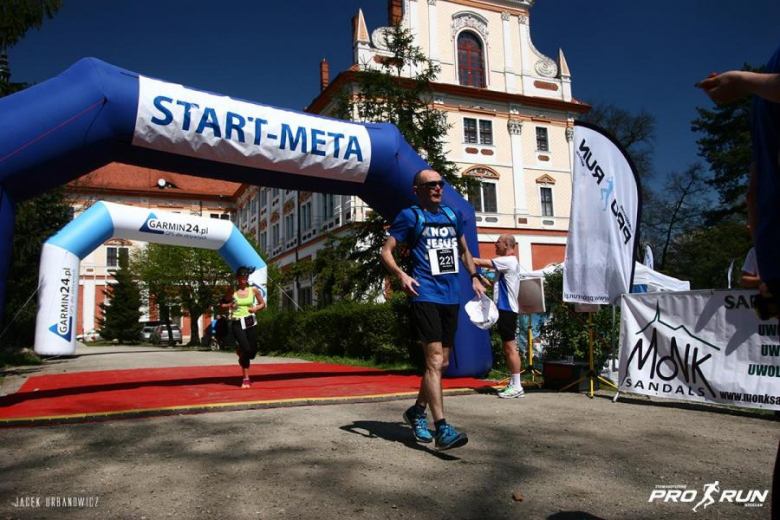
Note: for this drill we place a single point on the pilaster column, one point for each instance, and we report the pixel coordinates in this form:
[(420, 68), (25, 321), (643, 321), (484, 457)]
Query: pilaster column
[(509, 73), (518, 173), (433, 33)]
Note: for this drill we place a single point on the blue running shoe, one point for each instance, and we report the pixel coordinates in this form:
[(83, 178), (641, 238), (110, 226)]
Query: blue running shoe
[(419, 424), (448, 437)]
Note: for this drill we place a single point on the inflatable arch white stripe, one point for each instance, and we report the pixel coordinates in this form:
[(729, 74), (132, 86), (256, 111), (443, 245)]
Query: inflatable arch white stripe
[(62, 254)]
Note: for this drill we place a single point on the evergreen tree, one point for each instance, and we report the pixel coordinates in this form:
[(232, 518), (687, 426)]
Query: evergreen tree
[(726, 146), (350, 267), (385, 95), (122, 308)]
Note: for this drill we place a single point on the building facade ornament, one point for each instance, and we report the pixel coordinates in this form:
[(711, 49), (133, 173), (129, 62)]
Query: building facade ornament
[(569, 134), (505, 15), (469, 21), (438, 99), (515, 127), (522, 19), (431, 2), (546, 67)]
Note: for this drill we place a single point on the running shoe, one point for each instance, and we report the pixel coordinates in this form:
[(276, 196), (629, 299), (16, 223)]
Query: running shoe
[(448, 437), (510, 392), (419, 424)]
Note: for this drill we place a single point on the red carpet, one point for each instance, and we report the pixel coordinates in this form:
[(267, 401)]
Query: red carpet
[(85, 396)]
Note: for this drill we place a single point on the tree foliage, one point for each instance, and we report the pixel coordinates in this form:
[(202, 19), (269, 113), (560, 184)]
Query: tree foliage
[(725, 145), (192, 278), (349, 267), (19, 16), (566, 331), (703, 255), (36, 220), (636, 132), (122, 309), (384, 94), (678, 212)]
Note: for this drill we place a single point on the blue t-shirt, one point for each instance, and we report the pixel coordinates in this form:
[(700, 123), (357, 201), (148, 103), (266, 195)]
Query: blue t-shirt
[(765, 132), (442, 288)]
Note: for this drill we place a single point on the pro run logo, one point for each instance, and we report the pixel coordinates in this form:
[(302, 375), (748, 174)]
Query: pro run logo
[(710, 494)]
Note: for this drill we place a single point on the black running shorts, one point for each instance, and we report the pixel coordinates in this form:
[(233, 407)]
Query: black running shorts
[(507, 325), (435, 322)]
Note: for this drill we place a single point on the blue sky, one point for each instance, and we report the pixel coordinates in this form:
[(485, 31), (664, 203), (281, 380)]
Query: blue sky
[(634, 54)]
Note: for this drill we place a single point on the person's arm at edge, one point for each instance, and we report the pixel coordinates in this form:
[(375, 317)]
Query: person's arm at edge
[(735, 84), (749, 281)]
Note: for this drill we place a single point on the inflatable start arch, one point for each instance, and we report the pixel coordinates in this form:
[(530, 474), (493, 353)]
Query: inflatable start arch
[(62, 253), (95, 113)]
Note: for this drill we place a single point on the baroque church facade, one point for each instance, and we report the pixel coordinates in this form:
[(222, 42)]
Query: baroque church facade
[(511, 113)]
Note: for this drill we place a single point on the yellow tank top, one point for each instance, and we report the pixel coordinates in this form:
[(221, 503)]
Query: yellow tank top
[(243, 304)]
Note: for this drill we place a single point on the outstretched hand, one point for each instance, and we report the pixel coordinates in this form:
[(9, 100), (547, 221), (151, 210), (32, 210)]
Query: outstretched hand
[(723, 88)]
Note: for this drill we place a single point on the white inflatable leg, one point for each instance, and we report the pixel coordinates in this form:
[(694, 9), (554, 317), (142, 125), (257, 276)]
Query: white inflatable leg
[(58, 294)]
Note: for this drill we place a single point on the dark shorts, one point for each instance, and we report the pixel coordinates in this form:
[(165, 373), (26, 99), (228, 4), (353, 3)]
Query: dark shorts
[(435, 322), (507, 325)]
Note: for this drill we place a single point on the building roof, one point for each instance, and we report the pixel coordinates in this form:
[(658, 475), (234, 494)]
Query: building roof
[(124, 179)]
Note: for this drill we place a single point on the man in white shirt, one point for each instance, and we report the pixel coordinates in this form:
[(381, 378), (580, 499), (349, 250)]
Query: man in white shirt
[(750, 278), (505, 294)]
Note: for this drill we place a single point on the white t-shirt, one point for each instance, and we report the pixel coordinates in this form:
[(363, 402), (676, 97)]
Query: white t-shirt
[(751, 266), (507, 286)]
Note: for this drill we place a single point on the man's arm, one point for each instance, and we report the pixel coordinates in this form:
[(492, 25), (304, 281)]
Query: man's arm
[(749, 281), (388, 260), (468, 261), (735, 84), (483, 262)]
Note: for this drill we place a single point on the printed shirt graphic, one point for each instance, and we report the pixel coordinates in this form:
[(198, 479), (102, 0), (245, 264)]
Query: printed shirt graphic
[(507, 287), (443, 288)]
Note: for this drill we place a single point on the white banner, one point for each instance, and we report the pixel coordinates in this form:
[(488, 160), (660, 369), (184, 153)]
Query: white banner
[(700, 346), (184, 121), (602, 229)]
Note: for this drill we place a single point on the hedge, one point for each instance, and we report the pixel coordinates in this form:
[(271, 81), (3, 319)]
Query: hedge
[(374, 331)]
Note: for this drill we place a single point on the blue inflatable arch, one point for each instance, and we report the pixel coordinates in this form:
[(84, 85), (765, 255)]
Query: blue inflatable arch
[(63, 252), (95, 113)]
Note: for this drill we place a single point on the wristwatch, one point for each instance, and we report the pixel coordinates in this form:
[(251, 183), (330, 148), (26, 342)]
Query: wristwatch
[(474, 275)]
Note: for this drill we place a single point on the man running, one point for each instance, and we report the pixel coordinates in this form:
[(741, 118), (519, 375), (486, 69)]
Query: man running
[(434, 235)]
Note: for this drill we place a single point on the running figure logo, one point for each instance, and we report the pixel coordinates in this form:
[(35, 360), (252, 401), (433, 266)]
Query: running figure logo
[(606, 192), (709, 489)]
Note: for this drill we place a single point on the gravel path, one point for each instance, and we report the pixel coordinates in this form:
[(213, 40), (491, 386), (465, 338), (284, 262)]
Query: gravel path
[(567, 455)]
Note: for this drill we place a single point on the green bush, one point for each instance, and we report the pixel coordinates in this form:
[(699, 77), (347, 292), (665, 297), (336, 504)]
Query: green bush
[(378, 332)]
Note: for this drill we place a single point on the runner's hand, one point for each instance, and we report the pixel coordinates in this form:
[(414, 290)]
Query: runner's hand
[(408, 283), (477, 286)]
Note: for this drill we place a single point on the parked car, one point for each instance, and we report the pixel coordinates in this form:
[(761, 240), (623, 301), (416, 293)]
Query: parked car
[(160, 335), (146, 333)]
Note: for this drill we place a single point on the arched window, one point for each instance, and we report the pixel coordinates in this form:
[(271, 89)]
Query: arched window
[(471, 62)]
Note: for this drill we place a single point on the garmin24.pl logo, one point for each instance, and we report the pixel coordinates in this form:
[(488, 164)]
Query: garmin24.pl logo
[(163, 227), (65, 295), (710, 494)]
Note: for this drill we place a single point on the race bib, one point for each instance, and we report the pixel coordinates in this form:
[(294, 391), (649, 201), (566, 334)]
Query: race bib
[(443, 261)]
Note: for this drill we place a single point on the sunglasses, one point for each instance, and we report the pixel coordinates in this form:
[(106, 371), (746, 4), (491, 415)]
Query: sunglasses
[(432, 184)]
